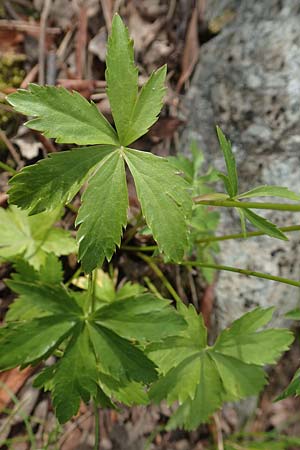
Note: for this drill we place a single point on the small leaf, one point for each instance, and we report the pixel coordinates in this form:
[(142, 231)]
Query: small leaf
[(264, 225), (103, 213), (232, 179), (63, 115), (147, 106), (121, 77), (165, 201), (270, 191), (54, 181)]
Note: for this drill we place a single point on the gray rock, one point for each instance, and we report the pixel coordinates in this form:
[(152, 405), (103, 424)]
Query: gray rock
[(247, 81)]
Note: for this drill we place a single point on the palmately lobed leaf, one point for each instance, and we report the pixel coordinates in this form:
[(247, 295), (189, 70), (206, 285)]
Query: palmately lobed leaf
[(229, 370), (67, 117)]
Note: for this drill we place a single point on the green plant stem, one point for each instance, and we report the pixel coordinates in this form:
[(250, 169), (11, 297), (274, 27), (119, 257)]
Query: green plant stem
[(7, 168), (97, 427), (242, 236), (74, 276), (251, 273), (133, 248), (160, 275), (92, 291), (152, 248), (249, 205)]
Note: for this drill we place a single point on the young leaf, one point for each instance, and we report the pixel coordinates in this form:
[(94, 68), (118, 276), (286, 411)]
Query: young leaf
[(264, 225), (228, 371), (121, 77), (270, 191), (63, 115), (147, 106), (231, 181), (54, 181), (165, 202), (32, 237), (101, 226)]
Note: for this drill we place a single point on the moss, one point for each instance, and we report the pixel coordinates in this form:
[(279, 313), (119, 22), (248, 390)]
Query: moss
[(11, 76)]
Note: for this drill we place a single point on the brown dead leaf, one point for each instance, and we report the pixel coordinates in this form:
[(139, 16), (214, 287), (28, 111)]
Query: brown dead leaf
[(10, 40), (190, 52), (13, 379)]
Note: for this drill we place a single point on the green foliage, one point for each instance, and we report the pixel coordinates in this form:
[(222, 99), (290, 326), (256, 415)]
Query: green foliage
[(101, 347), (229, 370), (71, 119), (32, 237), (123, 344)]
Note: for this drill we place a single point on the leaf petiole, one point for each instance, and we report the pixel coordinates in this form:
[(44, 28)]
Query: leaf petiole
[(251, 205)]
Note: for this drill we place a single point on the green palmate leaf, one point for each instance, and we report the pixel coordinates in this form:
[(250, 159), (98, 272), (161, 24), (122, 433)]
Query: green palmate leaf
[(137, 318), (165, 202), (32, 237), (102, 351), (147, 106), (54, 181), (63, 115), (100, 229), (293, 389), (270, 191), (264, 225), (231, 181), (228, 371), (121, 77)]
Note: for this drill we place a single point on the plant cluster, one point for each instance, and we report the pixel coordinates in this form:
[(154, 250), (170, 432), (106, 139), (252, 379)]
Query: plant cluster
[(126, 346)]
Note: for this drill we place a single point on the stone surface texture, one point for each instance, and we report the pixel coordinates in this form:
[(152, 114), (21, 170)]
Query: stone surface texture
[(248, 81)]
